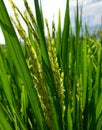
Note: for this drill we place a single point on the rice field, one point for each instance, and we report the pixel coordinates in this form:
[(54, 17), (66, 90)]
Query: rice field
[(51, 82)]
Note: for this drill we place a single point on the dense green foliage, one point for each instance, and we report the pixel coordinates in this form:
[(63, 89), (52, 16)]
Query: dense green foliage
[(52, 83)]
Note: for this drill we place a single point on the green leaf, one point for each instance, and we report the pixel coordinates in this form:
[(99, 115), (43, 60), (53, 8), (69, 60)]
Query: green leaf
[(65, 36), (98, 75), (6, 85), (99, 107), (69, 119), (84, 88), (4, 124), (58, 39), (41, 32), (14, 47)]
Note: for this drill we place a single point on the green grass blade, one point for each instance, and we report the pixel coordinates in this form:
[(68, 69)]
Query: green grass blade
[(41, 11), (6, 85), (99, 124), (4, 124), (58, 39), (41, 32), (77, 40), (64, 53), (98, 75), (69, 119), (99, 107), (19, 60), (84, 88), (65, 36)]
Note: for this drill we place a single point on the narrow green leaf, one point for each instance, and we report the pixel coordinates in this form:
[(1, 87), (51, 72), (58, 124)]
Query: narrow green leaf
[(99, 107), (99, 124), (20, 63), (69, 119), (84, 88), (65, 36), (58, 39), (41, 32), (98, 79), (4, 124), (6, 85)]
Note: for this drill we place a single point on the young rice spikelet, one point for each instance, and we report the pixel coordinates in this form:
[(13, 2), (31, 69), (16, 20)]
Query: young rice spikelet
[(58, 76), (37, 75)]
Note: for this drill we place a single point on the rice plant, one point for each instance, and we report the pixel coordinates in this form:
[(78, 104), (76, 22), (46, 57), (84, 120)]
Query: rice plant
[(49, 83)]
